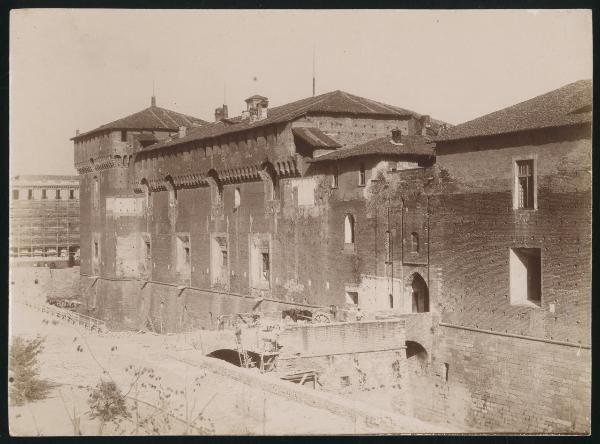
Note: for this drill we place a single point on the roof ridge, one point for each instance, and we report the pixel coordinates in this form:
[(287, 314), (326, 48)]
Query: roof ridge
[(159, 119), (348, 96)]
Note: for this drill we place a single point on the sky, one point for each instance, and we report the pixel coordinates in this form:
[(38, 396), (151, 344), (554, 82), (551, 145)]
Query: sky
[(78, 69)]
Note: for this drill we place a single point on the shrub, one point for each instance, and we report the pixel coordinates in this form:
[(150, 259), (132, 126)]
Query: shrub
[(107, 403), (25, 385)]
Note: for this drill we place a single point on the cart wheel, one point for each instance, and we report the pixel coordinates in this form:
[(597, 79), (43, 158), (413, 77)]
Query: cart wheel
[(322, 318)]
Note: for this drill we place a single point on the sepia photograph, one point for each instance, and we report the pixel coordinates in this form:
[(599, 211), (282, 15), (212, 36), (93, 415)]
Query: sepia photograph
[(299, 222)]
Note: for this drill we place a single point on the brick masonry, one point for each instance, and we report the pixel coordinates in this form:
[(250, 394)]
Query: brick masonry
[(461, 209)]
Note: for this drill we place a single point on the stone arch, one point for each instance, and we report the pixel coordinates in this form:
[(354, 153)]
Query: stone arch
[(172, 189), (268, 174), (233, 356), (417, 287), (349, 228), (216, 186), (416, 356), (147, 192)]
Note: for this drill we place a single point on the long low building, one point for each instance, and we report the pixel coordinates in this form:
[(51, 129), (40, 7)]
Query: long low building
[(478, 235), (44, 218)]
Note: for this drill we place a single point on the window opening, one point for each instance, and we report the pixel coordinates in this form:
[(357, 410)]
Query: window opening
[(525, 185)]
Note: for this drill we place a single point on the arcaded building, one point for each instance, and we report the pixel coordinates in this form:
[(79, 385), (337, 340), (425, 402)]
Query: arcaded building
[(44, 217)]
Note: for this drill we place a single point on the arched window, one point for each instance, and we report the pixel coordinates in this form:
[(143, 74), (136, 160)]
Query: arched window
[(172, 191), (95, 192), (349, 229), (237, 199), (414, 242)]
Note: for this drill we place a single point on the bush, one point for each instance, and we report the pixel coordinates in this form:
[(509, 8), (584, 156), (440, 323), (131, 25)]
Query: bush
[(107, 403), (23, 371)]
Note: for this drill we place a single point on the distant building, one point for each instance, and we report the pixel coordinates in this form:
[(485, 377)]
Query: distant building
[(44, 218)]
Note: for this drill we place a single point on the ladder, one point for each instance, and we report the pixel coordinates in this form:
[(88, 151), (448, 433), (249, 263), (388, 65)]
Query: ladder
[(245, 361)]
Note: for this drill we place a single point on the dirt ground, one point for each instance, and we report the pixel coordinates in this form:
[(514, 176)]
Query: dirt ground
[(171, 397), (75, 360)]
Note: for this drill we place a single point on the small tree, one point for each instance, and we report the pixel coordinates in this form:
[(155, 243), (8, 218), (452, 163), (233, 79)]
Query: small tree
[(108, 404), (25, 385)]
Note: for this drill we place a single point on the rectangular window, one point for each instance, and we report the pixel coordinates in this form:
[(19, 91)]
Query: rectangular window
[(335, 178), (96, 249), (362, 175), (148, 250), (525, 271), (266, 267), (123, 136), (71, 194), (44, 196), (183, 255), (352, 297), (219, 266), (224, 257), (29, 194), (525, 184), (15, 194), (58, 194)]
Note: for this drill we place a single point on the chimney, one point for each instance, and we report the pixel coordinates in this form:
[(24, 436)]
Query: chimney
[(425, 123), (396, 135), (221, 113), (182, 131), (76, 132), (257, 107), (153, 101)]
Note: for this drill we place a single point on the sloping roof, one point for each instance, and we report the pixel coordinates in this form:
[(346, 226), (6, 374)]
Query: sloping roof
[(569, 105), (416, 145), (151, 118), (315, 138), (335, 102)]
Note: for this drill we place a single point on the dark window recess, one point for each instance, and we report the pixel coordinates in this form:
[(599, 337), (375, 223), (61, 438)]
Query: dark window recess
[(15, 194), (187, 254), (414, 242), (95, 249), (224, 256), (123, 136), (44, 196), (265, 266), (148, 250), (362, 175), (336, 177), (71, 194), (525, 188), (58, 194), (391, 301), (29, 194)]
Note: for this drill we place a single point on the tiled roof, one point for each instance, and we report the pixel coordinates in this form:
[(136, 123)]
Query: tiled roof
[(151, 118), (409, 146), (569, 105), (315, 138), (335, 102)]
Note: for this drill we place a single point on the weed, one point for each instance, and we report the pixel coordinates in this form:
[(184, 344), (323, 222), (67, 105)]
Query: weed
[(25, 385), (107, 403)]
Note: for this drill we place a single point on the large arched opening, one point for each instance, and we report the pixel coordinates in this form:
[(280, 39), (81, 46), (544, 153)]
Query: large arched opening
[(416, 357), (234, 357), (420, 294)]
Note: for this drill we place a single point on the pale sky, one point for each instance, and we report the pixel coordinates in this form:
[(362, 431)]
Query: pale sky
[(78, 69)]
